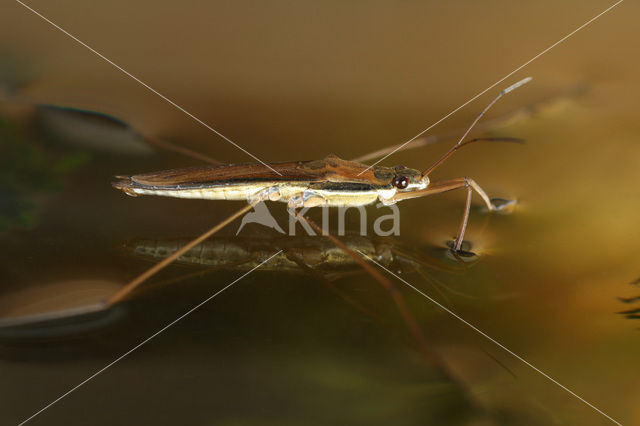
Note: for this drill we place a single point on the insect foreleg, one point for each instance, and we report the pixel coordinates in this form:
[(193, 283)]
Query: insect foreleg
[(445, 186), (449, 185)]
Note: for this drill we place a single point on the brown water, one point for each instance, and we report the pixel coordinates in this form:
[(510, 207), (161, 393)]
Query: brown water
[(291, 82)]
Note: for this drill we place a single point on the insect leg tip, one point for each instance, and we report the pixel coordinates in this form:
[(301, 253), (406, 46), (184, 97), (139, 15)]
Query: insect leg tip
[(518, 84), (502, 205)]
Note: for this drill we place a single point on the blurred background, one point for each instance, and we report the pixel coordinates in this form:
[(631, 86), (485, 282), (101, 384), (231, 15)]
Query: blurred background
[(297, 81)]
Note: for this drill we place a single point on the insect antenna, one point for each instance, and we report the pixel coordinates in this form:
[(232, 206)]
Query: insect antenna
[(460, 142), (416, 143), (512, 117)]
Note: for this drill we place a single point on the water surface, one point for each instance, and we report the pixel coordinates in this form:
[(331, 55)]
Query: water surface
[(296, 82)]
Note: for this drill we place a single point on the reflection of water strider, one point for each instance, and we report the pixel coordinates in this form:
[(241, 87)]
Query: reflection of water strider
[(320, 258), (298, 255)]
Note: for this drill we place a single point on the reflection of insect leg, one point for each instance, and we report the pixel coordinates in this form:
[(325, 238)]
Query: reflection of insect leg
[(127, 289)]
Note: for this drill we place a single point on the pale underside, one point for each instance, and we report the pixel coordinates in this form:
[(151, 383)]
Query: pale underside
[(297, 195)]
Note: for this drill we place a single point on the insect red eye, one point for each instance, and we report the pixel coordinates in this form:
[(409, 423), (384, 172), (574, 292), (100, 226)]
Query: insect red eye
[(401, 182)]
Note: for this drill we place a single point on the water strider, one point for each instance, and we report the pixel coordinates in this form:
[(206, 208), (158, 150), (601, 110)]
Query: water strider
[(306, 255), (331, 182)]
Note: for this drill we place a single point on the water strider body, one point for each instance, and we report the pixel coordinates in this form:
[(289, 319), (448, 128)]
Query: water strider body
[(331, 181)]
